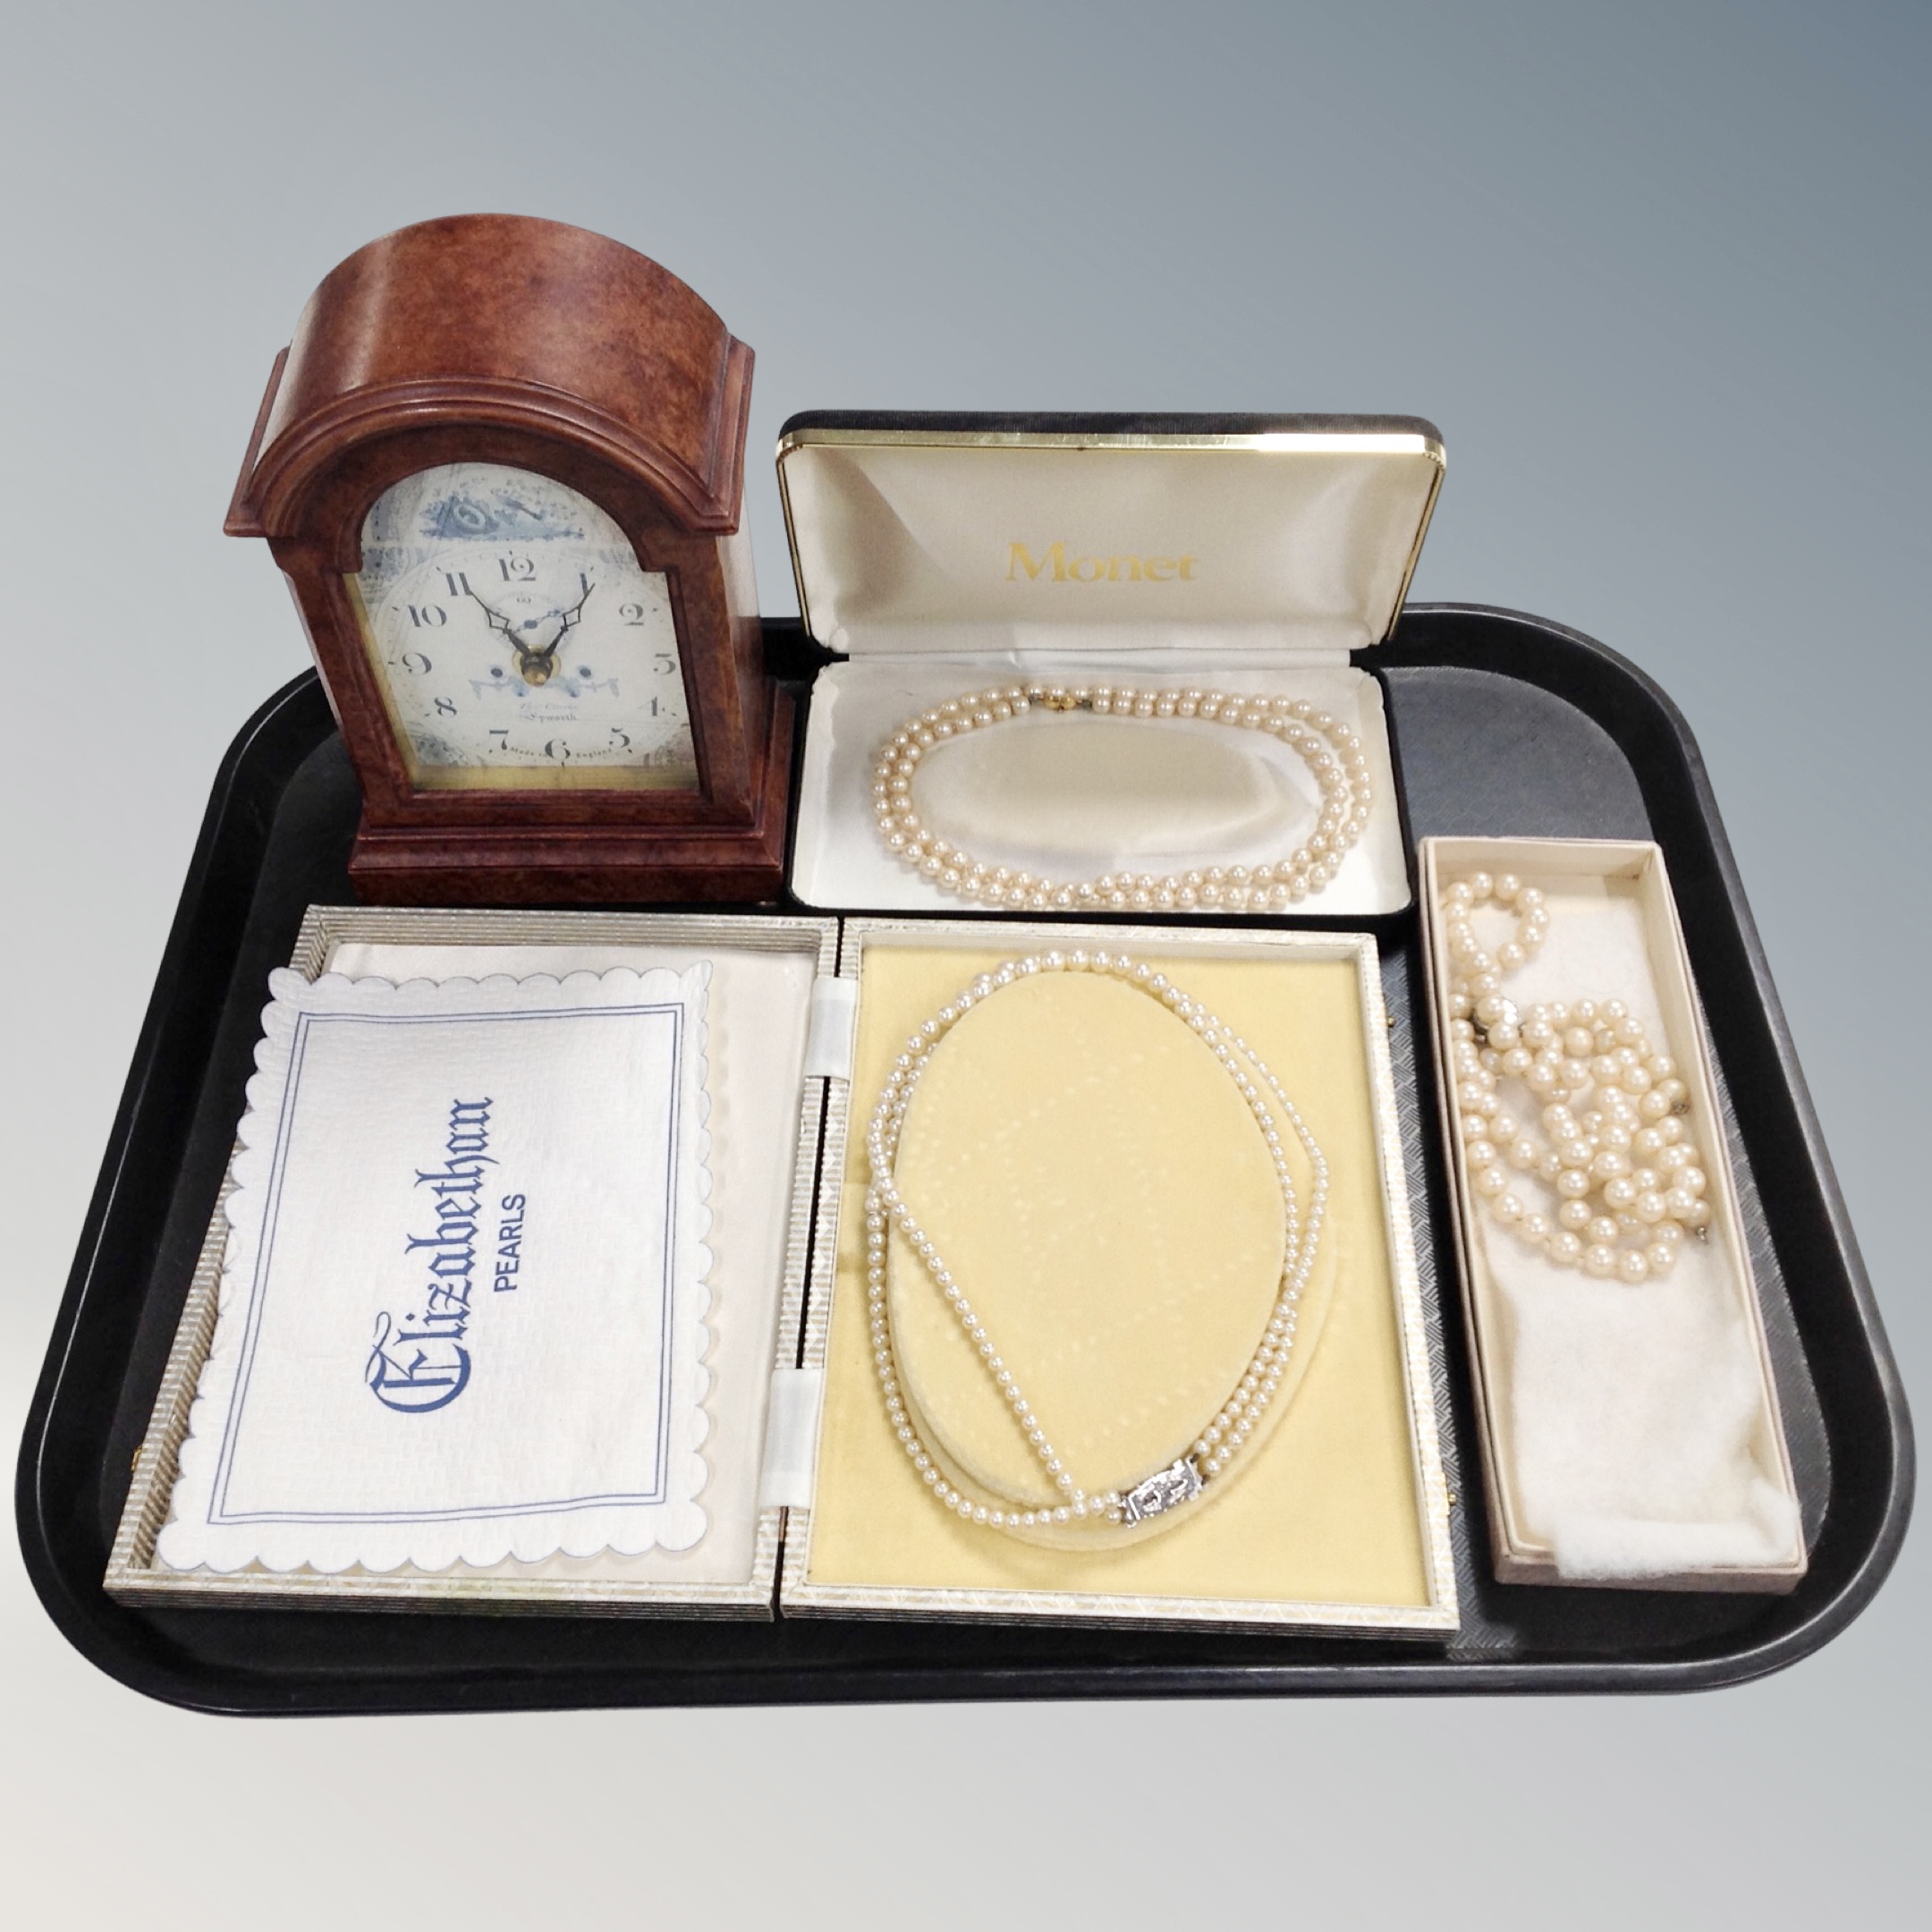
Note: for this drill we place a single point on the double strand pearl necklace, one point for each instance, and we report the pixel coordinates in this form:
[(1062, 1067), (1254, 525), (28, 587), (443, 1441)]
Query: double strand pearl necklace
[(1222, 1440), (1629, 1181), (1333, 752)]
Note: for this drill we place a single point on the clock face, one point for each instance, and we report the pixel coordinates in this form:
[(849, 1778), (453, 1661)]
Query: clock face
[(519, 640)]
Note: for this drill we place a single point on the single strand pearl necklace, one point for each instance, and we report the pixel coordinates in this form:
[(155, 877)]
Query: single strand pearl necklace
[(1333, 752), (884, 1209), (1629, 1181)]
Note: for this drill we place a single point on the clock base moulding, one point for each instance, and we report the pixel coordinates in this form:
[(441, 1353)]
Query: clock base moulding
[(585, 864)]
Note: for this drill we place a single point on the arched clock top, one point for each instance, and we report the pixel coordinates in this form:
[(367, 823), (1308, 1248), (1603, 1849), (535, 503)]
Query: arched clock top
[(532, 330), (323, 513)]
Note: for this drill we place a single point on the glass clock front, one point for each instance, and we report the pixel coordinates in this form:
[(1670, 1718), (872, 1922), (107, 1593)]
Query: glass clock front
[(519, 640)]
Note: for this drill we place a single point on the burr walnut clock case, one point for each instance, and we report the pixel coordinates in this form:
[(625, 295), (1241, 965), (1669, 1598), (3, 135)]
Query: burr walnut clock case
[(502, 466)]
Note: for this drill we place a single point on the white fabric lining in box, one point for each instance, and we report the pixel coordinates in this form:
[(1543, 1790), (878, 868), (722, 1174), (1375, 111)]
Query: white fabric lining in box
[(756, 1032), (319, 1440), (1635, 1417)]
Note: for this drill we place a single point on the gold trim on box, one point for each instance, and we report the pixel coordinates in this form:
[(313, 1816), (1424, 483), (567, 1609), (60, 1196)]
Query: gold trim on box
[(1268, 442), (1265, 442), (798, 1595), (1415, 550), (133, 1576)]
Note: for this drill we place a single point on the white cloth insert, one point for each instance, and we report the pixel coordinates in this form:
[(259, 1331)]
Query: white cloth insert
[(461, 1309), (1634, 1419), (756, 1026)]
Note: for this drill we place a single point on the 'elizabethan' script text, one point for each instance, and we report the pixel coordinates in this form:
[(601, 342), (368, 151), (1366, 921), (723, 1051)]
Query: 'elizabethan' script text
[(420, 1362)]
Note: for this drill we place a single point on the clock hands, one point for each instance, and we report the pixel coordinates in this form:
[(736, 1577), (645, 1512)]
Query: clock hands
[(535, 667), (497, 621), (573, 613)]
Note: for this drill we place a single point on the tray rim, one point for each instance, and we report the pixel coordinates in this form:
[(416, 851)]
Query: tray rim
[(1603, 685)]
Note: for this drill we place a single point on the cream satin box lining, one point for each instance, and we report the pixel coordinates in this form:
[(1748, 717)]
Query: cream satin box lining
[(1521, 1554), (766, 1402), (1252, 798)]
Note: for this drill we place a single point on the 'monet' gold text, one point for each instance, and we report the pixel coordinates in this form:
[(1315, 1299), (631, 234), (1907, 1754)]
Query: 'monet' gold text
[(1097, 568)]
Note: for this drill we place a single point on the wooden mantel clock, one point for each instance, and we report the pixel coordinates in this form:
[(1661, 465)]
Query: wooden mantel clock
[(502, 465)]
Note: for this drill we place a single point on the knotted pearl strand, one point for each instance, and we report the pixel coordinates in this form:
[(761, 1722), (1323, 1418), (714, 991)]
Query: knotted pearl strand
[(1333, 754), (884, 1209), (1628, 1179)]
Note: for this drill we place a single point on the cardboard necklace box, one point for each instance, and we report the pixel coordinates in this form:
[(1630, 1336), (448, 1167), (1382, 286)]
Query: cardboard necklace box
[(941, 554), (1613, 909)]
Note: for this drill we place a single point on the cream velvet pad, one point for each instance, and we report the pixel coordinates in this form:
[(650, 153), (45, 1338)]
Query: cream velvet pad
[(1327, 1511), (1095, 1183)]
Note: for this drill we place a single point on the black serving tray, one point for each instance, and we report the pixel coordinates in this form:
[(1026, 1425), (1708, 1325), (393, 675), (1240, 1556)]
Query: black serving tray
[(1502, 725)]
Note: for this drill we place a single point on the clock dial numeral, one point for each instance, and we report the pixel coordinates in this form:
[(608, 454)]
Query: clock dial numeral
[(446, 707), (633, 613), (416, 662), (428, 616), (518, 568), (459, 584)]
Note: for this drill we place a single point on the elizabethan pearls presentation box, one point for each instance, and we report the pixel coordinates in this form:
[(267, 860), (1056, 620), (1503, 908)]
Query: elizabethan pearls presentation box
[(1236, 1376)]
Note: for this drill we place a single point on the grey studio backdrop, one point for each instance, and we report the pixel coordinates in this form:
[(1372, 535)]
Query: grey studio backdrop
[(1660, 273)]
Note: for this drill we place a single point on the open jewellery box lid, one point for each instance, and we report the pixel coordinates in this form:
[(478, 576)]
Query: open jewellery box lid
[(972, 533)]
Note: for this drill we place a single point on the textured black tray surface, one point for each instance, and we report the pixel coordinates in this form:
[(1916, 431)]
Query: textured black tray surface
[(1503, 723)]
